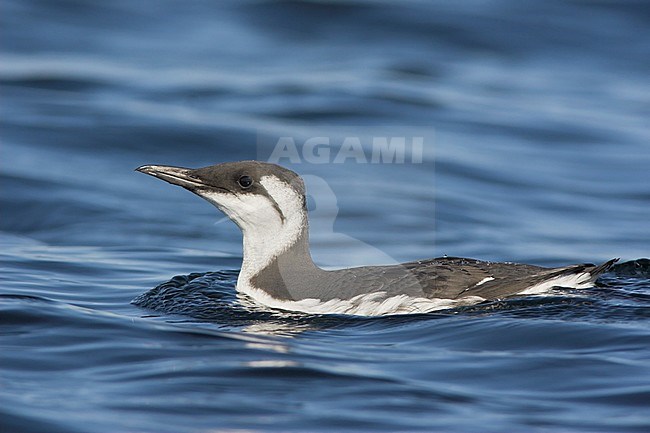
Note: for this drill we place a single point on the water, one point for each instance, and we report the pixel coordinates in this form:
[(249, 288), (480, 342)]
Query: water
[(535, 124)]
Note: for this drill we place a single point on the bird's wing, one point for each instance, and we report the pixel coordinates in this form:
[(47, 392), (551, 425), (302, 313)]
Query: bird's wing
[(453, 277)]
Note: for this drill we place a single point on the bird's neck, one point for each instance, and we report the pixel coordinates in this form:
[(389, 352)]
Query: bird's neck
[(277, 258)]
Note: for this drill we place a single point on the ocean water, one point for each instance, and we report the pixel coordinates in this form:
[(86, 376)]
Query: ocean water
[(533, 119)]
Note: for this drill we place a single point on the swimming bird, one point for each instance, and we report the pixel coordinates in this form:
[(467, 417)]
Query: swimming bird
[(268, 203)]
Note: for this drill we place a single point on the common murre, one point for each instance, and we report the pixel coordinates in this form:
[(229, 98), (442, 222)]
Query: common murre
[(268, 204)]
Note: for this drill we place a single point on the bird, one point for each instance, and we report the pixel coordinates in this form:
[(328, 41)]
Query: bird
[(268, 203)]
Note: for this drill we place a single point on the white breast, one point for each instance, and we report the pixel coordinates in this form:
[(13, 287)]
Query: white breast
[(371, 304)]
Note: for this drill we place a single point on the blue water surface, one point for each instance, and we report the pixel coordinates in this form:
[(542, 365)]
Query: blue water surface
[(536, 146)]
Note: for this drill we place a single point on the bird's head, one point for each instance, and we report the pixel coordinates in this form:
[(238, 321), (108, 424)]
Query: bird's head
[(265, 200)]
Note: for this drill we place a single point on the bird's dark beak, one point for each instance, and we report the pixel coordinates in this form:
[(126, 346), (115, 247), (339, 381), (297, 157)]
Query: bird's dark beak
[(175, 175)]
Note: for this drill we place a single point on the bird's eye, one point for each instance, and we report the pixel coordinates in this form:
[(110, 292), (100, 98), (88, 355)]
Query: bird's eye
[(245, 181)]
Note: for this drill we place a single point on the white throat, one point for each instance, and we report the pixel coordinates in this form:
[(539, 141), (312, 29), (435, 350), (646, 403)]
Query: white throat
[(267, 239), (266, 233)]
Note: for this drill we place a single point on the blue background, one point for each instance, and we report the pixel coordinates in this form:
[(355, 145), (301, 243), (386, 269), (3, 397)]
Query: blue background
[(535, 118)]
